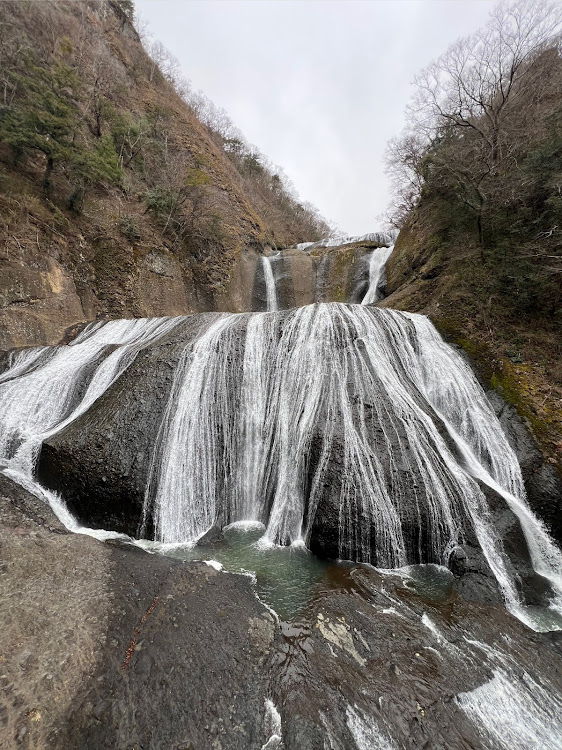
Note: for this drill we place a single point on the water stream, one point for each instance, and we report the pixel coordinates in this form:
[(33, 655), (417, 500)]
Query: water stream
[(271, 290), (377, 263)]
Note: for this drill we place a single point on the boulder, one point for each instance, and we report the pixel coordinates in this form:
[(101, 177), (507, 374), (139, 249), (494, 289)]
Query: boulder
[(100, 462), (110, 647)]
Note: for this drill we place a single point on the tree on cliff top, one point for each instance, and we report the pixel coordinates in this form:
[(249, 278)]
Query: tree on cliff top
[(482, 153), (459, 120)]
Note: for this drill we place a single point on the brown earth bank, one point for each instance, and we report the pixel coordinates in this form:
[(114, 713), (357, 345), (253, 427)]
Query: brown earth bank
[(449, 278), (115, 199), (106, 646)]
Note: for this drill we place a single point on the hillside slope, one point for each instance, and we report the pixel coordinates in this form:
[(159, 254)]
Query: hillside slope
[(115, 199), (478, 181)]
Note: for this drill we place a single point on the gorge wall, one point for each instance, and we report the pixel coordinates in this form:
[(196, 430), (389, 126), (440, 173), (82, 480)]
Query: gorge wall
[(116, 199)]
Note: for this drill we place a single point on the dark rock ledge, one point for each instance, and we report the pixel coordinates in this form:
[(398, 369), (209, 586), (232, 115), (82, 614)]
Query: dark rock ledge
[(109, 647), (105, 646)]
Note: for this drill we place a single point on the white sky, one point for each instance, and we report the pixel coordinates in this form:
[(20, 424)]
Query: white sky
[(319, 86)]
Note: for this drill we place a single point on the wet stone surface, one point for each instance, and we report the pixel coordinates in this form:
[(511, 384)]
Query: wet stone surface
[(105, 646)]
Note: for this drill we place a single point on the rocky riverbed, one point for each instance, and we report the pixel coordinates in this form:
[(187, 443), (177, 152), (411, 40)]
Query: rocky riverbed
[(106, 646)]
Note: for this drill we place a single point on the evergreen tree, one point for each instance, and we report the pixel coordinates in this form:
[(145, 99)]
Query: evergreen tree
[(45, 117)]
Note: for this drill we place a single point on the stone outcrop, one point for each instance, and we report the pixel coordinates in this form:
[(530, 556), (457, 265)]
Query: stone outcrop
[(105, 646)]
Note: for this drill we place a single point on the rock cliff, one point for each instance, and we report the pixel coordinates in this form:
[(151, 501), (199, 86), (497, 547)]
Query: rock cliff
[(116, 199)]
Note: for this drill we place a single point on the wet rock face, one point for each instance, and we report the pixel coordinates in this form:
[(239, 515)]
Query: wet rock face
[(474, 579), (103, 462), (105, 646), (374, 665), (108, 647)]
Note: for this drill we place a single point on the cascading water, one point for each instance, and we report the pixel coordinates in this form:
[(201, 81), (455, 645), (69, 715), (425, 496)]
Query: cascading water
[(271, 291), (384, 238), (237, 441), (286, 423), (48, 387), (377, 263), (279, 418), (513, 710)]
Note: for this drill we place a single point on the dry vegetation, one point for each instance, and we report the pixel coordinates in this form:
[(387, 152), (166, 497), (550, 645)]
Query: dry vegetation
[(106, 154)]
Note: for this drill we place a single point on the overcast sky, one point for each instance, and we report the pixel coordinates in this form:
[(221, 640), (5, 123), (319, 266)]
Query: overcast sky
[(319, 86)]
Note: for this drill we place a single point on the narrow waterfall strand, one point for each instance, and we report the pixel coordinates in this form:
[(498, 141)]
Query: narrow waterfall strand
[(187, 476), (377, 264), (271, 291)]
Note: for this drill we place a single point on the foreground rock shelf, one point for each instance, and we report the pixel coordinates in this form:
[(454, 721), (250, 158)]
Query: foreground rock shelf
[(105, 646)]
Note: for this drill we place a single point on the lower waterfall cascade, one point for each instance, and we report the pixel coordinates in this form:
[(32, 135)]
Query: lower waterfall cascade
[(287, 419)]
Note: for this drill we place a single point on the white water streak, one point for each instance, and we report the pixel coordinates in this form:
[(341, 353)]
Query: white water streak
[(365, 731), (272, 726), (189, 466), (377, 263), (54, 501), (48, 388), (512, 710), (271, 292)]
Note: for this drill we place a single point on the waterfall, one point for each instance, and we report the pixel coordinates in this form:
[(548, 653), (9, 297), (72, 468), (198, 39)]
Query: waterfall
[(254, 439), (48, 387), (272, 305), (377, 263), (325, 414)]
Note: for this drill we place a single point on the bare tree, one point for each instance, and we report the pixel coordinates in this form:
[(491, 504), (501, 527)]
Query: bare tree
[(404, 164), (474, 83), (464, 102)]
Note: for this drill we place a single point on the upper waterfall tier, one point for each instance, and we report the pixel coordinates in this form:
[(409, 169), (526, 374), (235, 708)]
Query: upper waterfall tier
[(291, 277), (271, 291), (354, 430), (377, 277)]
